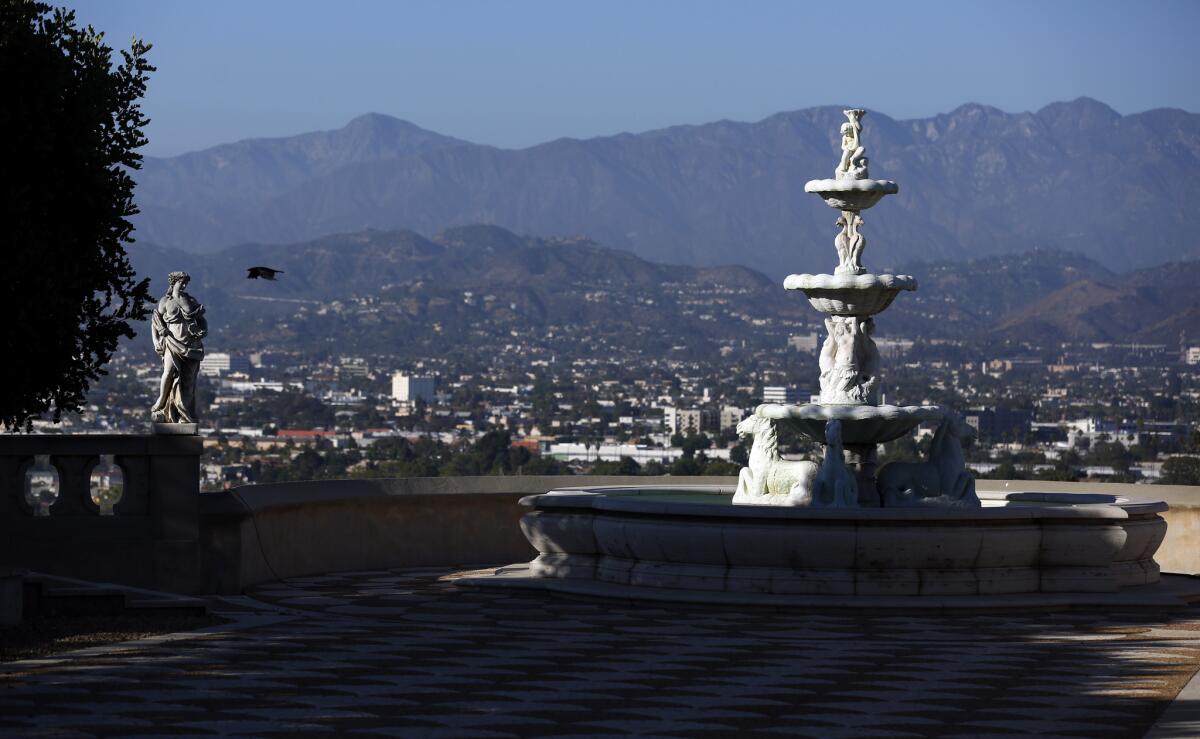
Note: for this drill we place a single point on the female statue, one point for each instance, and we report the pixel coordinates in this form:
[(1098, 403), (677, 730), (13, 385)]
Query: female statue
[(177, 327)]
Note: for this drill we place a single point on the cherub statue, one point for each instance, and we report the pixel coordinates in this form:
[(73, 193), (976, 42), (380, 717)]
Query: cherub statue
[(854, 161)]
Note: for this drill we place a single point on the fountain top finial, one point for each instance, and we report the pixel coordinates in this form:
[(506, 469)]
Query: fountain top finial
[(853, 165)]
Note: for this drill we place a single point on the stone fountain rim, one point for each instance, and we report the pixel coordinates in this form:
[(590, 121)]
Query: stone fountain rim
[(805, 281), (623, 500), (850, 412), (887, 187)]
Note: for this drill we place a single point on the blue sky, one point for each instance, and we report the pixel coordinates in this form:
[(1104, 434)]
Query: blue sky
[(517, 73)]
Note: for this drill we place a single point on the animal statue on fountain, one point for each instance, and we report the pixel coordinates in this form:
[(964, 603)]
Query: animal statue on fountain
[(849, 362), (853, 164), (768, 478), (849, 244), (835, 485), (941, 481)]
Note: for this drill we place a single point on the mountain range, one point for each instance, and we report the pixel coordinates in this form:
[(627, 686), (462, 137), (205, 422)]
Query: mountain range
[(415, 292), (1073, 176)]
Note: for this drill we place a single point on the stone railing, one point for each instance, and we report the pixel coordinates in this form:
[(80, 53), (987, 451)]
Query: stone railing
[(113, 508)]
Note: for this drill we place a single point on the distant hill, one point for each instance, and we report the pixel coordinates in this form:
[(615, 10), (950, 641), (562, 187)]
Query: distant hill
[(977, 181), (419, 294), (398, 292), (1151, 305)]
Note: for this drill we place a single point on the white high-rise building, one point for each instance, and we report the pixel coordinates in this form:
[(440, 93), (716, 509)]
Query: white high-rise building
[(780, 394), (411, 388), (216, 364)]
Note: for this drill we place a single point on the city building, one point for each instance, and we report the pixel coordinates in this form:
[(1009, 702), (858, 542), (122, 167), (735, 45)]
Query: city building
[(804, 342), (781, 394), (681, 421), (730, 417), (1000, 424), (411, 388), (215, 364)]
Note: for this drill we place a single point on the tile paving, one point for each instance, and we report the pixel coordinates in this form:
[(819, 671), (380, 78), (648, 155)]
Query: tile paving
[(411, 653)]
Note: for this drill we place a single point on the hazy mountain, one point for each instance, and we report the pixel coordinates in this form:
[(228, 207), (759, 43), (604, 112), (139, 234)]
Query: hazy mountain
[(410, 292), (977, 181)]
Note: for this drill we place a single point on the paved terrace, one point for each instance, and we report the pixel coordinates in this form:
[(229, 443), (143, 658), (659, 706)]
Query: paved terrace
[(412, 653)]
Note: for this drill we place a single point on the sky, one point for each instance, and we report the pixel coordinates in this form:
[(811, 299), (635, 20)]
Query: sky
[(521, 72)]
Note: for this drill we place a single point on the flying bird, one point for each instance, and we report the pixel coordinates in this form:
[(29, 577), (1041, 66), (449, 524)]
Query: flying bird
[(266, 273)]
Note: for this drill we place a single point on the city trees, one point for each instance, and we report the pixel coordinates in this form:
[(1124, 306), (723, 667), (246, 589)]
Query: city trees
[(1181, 471), (72, 124)]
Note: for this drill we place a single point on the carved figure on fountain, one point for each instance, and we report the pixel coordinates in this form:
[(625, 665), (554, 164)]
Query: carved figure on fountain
[(942, 480), (850, 243), (849, 362), (835, 485), (768, 478), (853, 164)]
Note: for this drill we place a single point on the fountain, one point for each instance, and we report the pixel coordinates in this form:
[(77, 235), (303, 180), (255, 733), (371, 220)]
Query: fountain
[(842, 532)]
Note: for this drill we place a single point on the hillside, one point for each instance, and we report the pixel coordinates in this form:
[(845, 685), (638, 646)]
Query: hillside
[(1150, 305), (397, 291), (977, 181)]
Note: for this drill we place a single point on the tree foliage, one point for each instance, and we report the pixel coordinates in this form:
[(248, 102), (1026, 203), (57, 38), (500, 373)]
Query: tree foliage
[(72, 125), (1181, 471)]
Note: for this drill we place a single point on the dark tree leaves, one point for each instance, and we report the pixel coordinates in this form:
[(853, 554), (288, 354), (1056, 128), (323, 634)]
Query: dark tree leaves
[(70, 125)]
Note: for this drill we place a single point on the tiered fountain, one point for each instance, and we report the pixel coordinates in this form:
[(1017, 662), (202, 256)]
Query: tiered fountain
[(837, 533), (850, 379)]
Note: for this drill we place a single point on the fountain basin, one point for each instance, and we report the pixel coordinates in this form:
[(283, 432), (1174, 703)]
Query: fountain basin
[(681, 540), (861, 424), (850, 295), (847, 194)]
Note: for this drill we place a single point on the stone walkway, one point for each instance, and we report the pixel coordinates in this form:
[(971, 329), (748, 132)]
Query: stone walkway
[(409, 653)]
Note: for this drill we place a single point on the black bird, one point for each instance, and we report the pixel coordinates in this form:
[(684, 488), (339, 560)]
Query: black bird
[(266, 273)]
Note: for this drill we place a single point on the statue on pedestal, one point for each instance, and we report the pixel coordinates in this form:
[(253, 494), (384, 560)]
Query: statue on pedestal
[(177, 328)]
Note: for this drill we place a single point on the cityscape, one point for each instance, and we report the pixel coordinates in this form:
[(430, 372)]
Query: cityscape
[(522, 369), (1095, 411)]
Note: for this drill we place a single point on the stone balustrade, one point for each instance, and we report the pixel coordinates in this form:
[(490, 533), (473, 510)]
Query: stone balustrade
[(112, 508)]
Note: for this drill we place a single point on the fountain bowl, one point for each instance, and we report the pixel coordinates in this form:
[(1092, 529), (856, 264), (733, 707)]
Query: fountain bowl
[(848, 194), (694, 544), (850, 295), (861, 424)]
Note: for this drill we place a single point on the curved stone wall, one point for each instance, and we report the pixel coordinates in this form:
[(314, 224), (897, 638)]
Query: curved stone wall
[(258, 533)]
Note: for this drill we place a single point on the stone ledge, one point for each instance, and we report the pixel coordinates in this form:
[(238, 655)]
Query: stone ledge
[(1172, 592)]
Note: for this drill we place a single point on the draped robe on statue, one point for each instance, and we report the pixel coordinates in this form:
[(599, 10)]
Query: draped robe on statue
[(177, 327)]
